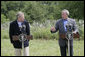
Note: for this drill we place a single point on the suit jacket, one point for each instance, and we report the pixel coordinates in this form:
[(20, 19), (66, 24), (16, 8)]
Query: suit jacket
[(60, 26), (14, 30)]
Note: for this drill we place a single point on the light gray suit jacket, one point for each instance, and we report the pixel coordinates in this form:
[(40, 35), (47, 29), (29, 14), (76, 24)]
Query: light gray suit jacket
[(60, 26)]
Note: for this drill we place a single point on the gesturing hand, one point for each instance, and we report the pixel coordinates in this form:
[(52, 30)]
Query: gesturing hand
[(53, 29)]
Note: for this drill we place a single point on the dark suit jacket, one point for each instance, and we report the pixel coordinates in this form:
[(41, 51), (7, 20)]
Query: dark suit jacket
[(14, 30)]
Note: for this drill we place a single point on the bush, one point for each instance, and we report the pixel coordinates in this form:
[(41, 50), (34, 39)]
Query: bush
[(3, 19), (80, 26), (40, 30), (11, 15), (82, 33), (4, 34), (5, 30), (43, 33)]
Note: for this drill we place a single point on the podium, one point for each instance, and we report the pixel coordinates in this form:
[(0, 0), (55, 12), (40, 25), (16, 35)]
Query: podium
[(22, 38)]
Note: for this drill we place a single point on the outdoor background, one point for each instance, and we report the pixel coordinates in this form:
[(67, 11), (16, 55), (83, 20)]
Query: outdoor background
[(41, 15)]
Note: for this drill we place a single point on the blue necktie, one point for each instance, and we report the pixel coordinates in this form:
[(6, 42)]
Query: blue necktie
[(65, 22)]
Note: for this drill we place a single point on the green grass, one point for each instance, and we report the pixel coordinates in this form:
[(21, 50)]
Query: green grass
[(42, 48)]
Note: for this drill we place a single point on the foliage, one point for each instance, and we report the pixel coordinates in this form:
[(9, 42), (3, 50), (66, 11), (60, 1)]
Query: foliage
[(42, 10), (42, 30), (76, 8), (3, 18)]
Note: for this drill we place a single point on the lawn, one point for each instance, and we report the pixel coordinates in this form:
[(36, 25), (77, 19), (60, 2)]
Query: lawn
[(40, 47)]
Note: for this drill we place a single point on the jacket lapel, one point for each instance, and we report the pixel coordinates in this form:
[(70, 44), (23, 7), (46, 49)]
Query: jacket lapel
[(63, 25), (17, 27)]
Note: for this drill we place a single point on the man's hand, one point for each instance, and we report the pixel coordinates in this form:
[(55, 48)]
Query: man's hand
[(76, 35), (53, 29), (74, 32)]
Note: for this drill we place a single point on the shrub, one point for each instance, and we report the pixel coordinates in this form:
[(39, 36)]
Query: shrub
[(40, 30), (4, 34)]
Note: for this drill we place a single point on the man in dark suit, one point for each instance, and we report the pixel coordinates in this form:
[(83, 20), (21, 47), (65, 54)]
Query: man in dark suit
[(14, 30), (61, 26)]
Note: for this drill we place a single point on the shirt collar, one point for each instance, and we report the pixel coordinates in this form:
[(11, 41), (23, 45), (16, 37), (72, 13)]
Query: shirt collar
[(66, 19)]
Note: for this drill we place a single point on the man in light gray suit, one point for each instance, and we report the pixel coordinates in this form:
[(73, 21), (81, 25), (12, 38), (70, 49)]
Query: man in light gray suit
[(61, 26)]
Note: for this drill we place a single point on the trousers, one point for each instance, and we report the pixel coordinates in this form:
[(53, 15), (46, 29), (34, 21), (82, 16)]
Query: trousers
[(18, 52)]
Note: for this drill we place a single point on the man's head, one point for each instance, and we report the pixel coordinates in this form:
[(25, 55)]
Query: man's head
[(20, 16), (65, 14)]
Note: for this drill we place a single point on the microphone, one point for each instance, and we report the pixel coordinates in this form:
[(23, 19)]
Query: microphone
[(23, 26), (23, 29), (22, 36), (69, 26), (20, 28)]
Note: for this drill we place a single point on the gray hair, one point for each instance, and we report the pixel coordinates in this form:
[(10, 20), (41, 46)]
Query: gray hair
[(65, 10), (19, 14)]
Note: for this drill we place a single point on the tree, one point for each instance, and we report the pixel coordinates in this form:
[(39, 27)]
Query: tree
[(42, 10), (76, 8), (11, 15), (3, 18)]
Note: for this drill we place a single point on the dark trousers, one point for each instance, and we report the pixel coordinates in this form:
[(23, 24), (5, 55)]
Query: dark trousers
[(64, 50)]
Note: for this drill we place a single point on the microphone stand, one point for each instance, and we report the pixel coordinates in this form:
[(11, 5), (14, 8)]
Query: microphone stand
[(22, 39), (22, 44), (69, 36)]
